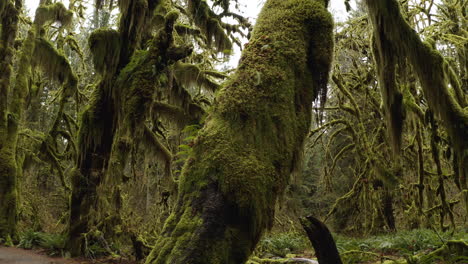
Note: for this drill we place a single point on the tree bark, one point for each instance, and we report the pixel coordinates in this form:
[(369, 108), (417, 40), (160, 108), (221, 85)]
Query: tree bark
[(251, 142), (9, 16), (322, 241)]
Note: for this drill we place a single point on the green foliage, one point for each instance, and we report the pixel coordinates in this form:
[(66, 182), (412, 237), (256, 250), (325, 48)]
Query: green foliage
[(53, 243), (185, 149), (404, 243), (281, 244)]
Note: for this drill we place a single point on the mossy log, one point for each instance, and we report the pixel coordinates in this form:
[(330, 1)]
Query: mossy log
[(453, 250), (252, 139)]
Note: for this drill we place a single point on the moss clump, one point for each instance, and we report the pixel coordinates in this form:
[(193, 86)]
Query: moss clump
[(252, 139), (104, 43), (53, 13)]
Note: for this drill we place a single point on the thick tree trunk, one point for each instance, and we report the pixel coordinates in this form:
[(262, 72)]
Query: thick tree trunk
[(251, 141), (95, 141), (322, 241), (9, 16), (89, 208), (387, 208)]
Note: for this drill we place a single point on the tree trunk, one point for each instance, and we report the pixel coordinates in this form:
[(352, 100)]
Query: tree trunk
[(322, 241), (252, 139), (9, 16), (112, 50), (95, 141)]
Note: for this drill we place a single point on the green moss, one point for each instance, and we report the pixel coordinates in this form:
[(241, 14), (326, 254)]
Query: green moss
[(51, 13), (3, 4), (209, 24), (8, 191), (191, 75), (105, 46), (252, 139), (54, 64), (386, 63)]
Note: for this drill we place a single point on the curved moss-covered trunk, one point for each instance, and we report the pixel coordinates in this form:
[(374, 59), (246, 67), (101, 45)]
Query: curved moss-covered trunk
[(9, 15), (252, 139), (434, 73)]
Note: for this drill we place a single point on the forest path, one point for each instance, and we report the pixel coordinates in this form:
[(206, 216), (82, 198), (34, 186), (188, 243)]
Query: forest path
[(21, 256)]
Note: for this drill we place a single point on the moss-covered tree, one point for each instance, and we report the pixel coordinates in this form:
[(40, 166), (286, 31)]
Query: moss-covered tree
[(9, 16), (36, 53), (136, 64), (441, 87), (252, 139)]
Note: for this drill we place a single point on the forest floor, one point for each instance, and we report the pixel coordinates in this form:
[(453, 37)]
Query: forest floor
[(416, 246), (11, 255)]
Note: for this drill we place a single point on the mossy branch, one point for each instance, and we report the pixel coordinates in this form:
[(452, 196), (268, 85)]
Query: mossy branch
[(53, 13), (431, 69), (209, 24), (157, 145), (189, 75), (54, 65)]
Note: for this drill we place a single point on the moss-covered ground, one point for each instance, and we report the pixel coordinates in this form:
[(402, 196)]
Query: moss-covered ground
[(419, 246), (409, 247)]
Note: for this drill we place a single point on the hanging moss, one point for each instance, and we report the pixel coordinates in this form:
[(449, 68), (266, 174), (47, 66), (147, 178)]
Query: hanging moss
[(54, 64), (53, 13), (133, 22), (432, 71), (243, 157), (384, 56), (189, 75), (105, 46), (209, 24)]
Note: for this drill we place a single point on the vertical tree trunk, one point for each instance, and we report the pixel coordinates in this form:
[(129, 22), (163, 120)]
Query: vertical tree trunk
[(9, 15), (112, 51), (251, 141)]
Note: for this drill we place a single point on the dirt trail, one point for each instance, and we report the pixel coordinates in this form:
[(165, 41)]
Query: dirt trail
[(21, 256)]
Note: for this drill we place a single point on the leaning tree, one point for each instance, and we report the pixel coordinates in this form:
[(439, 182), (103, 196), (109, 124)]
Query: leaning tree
[(252, 139)]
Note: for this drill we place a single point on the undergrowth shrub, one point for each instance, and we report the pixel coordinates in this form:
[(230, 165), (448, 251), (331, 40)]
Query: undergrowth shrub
[(54, 244), (281, 244)]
